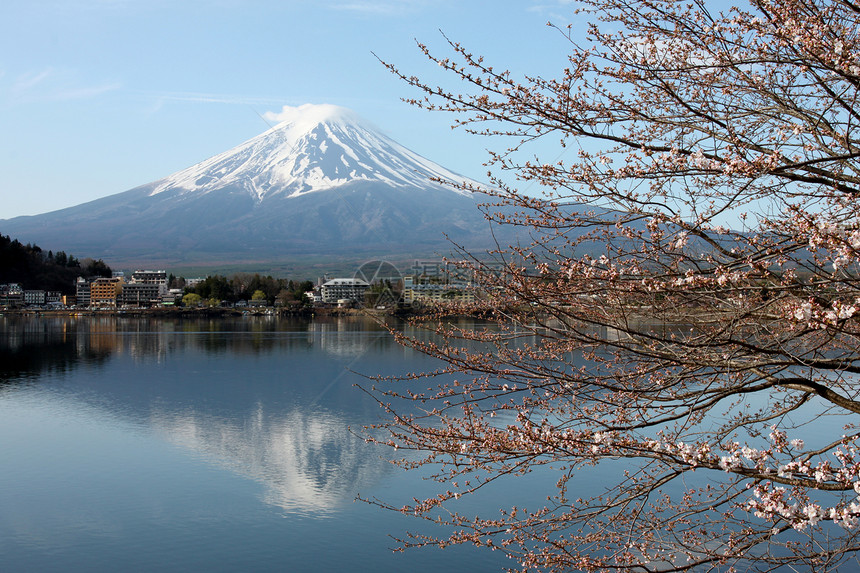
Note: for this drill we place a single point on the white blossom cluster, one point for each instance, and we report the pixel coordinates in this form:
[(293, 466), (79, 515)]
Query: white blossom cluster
[(813, 315), (770, 501), (841, 243)]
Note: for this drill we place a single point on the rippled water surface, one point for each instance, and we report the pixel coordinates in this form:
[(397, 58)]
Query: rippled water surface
[(201, 445)]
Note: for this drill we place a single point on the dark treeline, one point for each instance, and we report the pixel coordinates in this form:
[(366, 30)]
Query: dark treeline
[(245, 286), (35, 269)]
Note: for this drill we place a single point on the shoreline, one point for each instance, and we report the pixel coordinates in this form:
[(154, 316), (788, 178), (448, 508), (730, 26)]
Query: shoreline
[(207, 312)]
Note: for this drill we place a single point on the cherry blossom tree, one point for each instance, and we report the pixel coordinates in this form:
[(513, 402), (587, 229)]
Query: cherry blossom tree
[(679, 315)]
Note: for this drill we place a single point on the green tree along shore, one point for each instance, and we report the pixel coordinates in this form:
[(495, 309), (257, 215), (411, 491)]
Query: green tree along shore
[(33, 268), (284, 292)]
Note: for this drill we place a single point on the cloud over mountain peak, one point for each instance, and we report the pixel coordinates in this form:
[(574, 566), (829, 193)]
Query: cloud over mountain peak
[(312, 114)]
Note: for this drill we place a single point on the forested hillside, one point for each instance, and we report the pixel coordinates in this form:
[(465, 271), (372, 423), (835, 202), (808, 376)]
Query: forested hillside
[(33, 268)]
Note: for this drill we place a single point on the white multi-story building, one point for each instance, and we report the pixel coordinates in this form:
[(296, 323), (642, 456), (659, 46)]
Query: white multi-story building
[(149, 277), (419, 289), (82, 292), (34, 297), (344, 289), (154, 278)]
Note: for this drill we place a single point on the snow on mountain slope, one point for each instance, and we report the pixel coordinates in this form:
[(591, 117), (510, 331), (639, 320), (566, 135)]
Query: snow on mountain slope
[(317, 147)]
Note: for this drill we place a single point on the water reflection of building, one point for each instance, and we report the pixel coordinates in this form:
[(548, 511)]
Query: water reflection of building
[(345, 336), (30, 345)]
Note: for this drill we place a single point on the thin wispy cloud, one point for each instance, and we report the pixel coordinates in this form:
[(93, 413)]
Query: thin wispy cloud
[(559, 12), (51, 84), (550, 6), (381, 7), (202, 97), (158, 100), (87, 92), (30, 80), (78, 6)]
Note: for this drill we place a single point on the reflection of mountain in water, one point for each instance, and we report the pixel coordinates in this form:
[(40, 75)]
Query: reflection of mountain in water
[(308, 460), (272, 400)]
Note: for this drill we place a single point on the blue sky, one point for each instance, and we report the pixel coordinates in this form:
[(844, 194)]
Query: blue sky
[(100, 96)]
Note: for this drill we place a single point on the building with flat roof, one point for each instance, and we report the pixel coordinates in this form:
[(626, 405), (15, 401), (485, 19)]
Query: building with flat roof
[(149, 277), (34, 297), (11, 295), (140, 294), (106, 292), (421, 289), (340, 289), (82, 292)]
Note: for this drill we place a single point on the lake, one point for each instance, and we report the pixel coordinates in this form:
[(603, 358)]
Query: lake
[(199, 444)]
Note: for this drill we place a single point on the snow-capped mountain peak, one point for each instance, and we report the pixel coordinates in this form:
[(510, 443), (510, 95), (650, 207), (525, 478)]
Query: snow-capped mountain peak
[(321, 185), (313, 148)]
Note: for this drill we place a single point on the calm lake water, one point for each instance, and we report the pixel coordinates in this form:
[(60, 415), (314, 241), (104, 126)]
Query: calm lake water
[(132, 444)]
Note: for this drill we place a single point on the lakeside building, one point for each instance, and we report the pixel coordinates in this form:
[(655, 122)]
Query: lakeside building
[(433, 281), (34, 297), (149, 277), (153, 278), (106, 292), (144, 288), (344, 289), (11, 295), (140, 294), (430, 289), (82, 292), (173, 297)]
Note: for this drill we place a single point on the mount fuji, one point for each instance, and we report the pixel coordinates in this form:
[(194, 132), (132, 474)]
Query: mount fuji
[(320, 183)]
